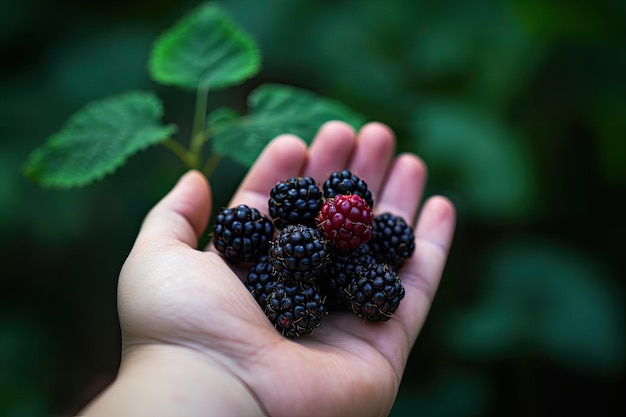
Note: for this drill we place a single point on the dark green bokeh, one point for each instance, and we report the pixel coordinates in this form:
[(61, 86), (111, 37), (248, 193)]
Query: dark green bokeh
[(518, 108)]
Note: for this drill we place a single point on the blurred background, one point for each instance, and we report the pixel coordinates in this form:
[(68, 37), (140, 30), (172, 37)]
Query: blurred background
[(517, 107)]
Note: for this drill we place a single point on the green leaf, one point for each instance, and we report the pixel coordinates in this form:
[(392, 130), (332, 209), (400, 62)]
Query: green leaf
[(205, 49), (98, 139), (274, 110)]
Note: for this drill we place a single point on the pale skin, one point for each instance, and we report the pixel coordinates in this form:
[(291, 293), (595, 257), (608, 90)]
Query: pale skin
[(195, 343)]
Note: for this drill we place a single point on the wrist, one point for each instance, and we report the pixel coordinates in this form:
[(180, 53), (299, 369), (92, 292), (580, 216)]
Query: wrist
[(166, 380)]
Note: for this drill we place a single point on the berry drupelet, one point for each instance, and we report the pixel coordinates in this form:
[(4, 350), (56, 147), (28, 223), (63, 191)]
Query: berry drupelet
[(345, 182), (260, 280), (295, 201), (298, 253), (346, 221), (242, 233), (392, 240), (295, 308), (376, 293), (342, 267)]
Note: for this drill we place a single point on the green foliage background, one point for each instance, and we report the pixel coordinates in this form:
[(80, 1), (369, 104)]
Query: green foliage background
[(517, 107)]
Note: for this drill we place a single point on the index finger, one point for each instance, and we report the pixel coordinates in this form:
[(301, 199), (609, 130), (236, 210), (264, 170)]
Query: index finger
[(282, 158)]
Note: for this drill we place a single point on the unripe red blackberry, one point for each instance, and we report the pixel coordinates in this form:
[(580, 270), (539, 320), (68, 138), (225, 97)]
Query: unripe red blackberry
[(346, 221), (295, 308), (295, 201), (345, 182), (392, 240), (242, 233), (376, 293), (298, 253)]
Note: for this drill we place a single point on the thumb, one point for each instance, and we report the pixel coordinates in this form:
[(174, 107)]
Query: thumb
[(183, 214)]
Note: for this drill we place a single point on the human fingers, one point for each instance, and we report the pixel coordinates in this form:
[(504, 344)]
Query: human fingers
[(400, 195), (182, 214), (420, 277), (330, 150), (282, 158), (372, 155), (402, 190), (421, 274)]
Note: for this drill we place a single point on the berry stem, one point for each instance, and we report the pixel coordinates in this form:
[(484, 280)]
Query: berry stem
[(211, 164), (199, 134), (177, 149), (192, 157)]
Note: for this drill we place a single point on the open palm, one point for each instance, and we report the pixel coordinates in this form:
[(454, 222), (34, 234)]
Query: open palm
[(174, 296)]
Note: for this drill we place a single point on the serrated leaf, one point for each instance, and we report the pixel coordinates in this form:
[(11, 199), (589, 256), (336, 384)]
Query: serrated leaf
[(97, 139), (223, 118), (273, 110), (205, 49)]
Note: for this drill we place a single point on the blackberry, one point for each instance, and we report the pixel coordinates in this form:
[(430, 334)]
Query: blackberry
[(392, 240), (341, 268), (295, 308), (260, 280), (345, 182), (295, 201), (376, 293), (298, 253), (242, 233), (346, 221)]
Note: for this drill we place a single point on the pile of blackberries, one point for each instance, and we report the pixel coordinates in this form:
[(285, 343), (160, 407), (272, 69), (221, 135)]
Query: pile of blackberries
[(319, 250)]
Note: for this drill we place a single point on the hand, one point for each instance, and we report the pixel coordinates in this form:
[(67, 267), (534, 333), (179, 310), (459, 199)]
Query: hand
[(195, 341)]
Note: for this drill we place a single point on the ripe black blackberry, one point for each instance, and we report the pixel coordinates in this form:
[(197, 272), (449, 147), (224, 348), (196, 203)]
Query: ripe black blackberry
[(298, 252), (242, 233), (392, 240), (295, 308), (261, 278), (341, 268), (295, 201), (345, 182), (376, 293)]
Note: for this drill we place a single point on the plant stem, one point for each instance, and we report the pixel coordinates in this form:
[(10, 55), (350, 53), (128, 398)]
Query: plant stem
[(199, 134), (211, 164), (183, 154)]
